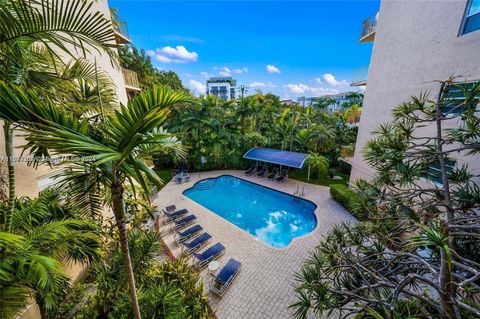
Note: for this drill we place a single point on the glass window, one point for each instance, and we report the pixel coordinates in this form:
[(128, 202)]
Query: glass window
[(472, 17), (474, 7)]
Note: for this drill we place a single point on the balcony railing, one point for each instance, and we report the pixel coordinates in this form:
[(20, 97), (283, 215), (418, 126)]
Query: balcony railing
[(120, 27), (347, 151), (359, 77), (368, 29), (131, 79)]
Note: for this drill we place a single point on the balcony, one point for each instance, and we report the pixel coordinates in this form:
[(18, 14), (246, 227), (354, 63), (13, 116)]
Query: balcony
[(346, 153), (368, 29), (131, 80), (359, 77), (120, 28)]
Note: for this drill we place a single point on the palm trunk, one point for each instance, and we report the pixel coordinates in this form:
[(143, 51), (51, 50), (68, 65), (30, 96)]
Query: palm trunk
[(119, 212), (8, 131)]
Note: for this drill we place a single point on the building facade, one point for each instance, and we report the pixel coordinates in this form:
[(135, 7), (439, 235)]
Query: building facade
[(222, 87), (415, 44)]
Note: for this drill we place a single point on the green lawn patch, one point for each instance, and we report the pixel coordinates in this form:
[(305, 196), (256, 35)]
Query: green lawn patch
[(301, 175)]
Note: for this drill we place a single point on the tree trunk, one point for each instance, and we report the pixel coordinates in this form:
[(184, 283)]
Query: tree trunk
[(8, 131), (448, 290), (119, 212)]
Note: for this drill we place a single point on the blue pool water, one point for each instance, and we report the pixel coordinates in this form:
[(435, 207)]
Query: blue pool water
[(270, 216)]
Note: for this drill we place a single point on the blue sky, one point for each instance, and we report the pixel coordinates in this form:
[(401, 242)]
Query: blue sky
[(289, 48)]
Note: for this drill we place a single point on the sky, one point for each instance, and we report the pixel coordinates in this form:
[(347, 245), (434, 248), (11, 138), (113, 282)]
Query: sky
[(289, 48)]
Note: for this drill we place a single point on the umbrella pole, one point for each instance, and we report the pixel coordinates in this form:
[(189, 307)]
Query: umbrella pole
[(308, 178)]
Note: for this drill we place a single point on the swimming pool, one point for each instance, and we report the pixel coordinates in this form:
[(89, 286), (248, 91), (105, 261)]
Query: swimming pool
[(269, 215)]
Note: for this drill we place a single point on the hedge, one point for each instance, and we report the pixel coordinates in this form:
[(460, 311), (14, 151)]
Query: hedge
[(348, 199)]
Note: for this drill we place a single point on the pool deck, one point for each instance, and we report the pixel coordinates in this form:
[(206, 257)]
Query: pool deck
[(264, 287)]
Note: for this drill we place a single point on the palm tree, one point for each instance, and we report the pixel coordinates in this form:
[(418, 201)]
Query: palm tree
[(318, 164), (54, 25), (118, 145), (46, 233)]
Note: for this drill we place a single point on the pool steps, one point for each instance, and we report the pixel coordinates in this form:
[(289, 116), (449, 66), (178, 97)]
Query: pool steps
[(205, 184)]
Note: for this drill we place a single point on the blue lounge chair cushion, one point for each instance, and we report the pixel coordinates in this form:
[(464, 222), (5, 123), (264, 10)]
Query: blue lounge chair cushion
[(228, 270), (177, 213), (198, 241), (187, 219), (192, 230), (212, 251)]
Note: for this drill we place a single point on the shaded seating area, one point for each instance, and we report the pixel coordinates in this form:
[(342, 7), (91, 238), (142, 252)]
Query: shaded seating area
[(276, 163)]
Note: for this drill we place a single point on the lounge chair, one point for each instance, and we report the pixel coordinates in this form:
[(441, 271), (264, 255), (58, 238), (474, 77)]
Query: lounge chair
[(262, 172), (273, 174), (170, 217), (250, 170), (283, 176), (197, 243), (212, 253), (182, 236), (180, 223), (220, 283)]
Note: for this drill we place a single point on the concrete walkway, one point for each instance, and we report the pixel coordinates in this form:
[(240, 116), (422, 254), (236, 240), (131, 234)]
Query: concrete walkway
[(264, 287)]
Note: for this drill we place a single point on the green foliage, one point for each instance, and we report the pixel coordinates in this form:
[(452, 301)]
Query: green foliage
[(414, 253), (349, 199), (133, 59), (318, 165), (46, 232), (165, 290)]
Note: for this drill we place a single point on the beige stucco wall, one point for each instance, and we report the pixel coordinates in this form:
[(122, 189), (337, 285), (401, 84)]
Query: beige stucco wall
[(416, 43)]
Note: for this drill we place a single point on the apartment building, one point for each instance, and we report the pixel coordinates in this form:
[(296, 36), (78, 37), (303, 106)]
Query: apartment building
[(222, 87), (415, 43)]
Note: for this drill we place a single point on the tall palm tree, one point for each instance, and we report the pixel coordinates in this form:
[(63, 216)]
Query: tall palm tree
[(59, 26), (117, 146)]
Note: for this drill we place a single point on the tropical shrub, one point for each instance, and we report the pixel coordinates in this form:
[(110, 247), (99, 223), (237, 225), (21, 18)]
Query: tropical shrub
[(349, 199), (165, 290)]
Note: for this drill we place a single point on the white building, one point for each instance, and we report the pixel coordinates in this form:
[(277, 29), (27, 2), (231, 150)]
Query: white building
[(416, 43), (222, 87)]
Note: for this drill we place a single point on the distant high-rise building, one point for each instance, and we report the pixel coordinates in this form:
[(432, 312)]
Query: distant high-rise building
[(223, 87)]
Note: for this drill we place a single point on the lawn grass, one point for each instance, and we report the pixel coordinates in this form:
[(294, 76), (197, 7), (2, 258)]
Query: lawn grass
[(165, 174), (301, 175)]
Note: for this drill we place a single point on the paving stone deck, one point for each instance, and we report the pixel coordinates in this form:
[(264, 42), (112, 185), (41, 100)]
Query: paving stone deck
[(264, 287)]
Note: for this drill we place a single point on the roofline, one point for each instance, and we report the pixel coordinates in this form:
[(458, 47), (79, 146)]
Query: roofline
[(273, 162)]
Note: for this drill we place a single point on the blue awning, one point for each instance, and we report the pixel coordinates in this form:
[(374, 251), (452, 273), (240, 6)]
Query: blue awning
[(270, 155)]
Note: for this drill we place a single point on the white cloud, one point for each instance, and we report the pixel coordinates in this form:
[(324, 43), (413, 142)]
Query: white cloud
[(258, 85), (330, 79), (300, 88), (225, 71), (272, 69), (205, 74), (240, 71), (178, 54), (197, 87), (318, 80)]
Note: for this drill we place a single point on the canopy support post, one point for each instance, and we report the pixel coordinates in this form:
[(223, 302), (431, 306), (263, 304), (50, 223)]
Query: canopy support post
[(308, 178)]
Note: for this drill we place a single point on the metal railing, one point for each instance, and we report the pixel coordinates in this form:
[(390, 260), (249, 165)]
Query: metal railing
[(359, 76), (119, 25), (368, 26), (130, 78)]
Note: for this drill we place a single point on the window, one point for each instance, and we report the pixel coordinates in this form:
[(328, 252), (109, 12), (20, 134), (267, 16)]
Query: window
[(454, 95), (471, 21), (435, 174)]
